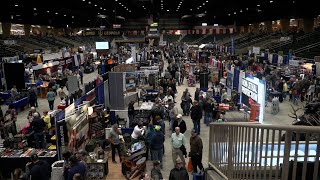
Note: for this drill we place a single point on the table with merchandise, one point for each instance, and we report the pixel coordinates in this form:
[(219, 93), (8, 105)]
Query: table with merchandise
[(11, 159)]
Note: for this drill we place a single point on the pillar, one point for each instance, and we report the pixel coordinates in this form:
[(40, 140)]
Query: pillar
[(308, 25), (6, 28), (238, 29), (268, 26), (27, 29), (285, 24), (44, 30), (245, 29), (256, 27)]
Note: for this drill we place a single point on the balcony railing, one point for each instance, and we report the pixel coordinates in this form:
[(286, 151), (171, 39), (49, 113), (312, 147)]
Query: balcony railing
[(255, 151)]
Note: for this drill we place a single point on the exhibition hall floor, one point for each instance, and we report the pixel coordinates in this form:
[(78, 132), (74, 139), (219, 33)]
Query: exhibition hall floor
[(115, 169)]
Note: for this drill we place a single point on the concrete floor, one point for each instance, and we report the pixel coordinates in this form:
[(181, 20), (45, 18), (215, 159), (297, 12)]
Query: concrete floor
[(115, 169)]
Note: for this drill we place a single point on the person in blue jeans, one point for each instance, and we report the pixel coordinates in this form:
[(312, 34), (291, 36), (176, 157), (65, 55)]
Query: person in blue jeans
[(196, 116), (156, 144), (51, 97)]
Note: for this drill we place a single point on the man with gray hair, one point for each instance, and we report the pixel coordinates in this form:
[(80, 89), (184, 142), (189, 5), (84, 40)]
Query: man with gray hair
[(38, 126), (115, 142)]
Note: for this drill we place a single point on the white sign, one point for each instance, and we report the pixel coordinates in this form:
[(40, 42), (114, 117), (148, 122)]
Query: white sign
[(256, 50), (250, 89), (9, 42), (294, 63), (10, 59), (287, 38)]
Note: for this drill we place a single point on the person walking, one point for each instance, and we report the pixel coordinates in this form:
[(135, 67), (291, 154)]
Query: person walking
[(51, 97), (156, 171), (156, 144), (185, 104), (179, 122), (196, 115), (177, 142), (115, 142), (208, 111), (32, 94), (195, 153), (131, 112), (179, 172)]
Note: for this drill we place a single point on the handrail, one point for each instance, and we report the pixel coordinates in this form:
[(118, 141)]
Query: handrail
[(290, 41), (254, 41), (308, 129), (307, 47)]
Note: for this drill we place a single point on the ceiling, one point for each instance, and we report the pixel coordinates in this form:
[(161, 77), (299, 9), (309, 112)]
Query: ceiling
[(83, 13)]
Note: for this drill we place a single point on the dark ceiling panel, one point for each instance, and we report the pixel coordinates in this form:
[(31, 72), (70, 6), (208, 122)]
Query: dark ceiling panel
[(83, 13)]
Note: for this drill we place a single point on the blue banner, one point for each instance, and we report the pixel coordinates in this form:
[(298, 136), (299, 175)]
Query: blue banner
[(232, 45), (275, 59), (100, 94), (236, 79)]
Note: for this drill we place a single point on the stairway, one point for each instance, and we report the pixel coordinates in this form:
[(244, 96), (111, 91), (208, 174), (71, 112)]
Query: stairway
[(181, 37)]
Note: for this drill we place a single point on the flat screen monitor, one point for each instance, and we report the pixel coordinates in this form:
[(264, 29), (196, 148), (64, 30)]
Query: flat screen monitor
[(102, 45)]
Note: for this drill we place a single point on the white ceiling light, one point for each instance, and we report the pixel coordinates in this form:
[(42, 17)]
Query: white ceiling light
[(95, 5), (100, 7), (48, 11), (104, 9), (271, 1), (168, 10), (65, 15), (247, 9), (235, 13), (72, 17), (258, 5), (16, 5), (89, 2), (56, 13), (83, 0), (229, 14), (34, 9), (241, 10)]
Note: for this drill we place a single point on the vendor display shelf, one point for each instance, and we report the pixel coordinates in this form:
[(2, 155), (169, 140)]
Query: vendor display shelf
[(8, 153)]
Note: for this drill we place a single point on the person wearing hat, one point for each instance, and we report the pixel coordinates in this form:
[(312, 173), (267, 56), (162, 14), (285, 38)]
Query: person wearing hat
[(177, 142), (156, 144), (37, 169), (179, 122), (179, 172), (156, 171)]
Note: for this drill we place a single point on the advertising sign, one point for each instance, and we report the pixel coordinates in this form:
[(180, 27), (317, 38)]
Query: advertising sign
[(253, 93)]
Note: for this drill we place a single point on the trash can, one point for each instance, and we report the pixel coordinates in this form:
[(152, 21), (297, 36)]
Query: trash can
[(57, 170)]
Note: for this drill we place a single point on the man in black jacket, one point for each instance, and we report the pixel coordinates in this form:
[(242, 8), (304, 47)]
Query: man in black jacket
[(37, 170), (179, 122), (196, 115), (38, 126), (179, 172)]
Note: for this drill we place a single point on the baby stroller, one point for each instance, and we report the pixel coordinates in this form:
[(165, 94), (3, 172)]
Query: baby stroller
[(191, 80)]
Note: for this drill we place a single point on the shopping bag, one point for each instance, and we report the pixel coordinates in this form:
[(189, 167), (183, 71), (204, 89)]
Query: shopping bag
[(190, 168)]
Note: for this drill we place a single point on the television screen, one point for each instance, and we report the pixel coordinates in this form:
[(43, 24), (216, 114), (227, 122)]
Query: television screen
[(102, 45)]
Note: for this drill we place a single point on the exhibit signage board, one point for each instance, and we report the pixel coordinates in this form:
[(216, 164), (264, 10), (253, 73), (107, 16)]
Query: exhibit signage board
[(253, 92)]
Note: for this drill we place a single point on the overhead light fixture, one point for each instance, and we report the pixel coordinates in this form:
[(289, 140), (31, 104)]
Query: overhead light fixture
[(34, 9), (100, 7), (104, 9), (65, 15), (229, 14), (271, 1), (235, 13), (204, 24), (168, 10), (95, 5), (48, 11), (56, 13), (89, 2), (16, 5), (258, 5), (83, 0), (247, 9), (72, 17), (241, 10)]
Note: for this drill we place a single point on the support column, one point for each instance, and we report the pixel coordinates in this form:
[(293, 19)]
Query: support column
[(308, 25), (285, 24), (27, 29), (6, 28), (245, 29), (268, 26), (44, 30), (256, 27), (238, 29)]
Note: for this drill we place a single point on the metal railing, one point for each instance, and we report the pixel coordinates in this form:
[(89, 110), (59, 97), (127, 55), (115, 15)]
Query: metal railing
[(255, 151), (306, 48)]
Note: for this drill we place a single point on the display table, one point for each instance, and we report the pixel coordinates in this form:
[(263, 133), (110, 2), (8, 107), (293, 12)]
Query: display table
[(97, 169), (13, 159), (134, 161), (18, 104), (146, 106), (5, 95)]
